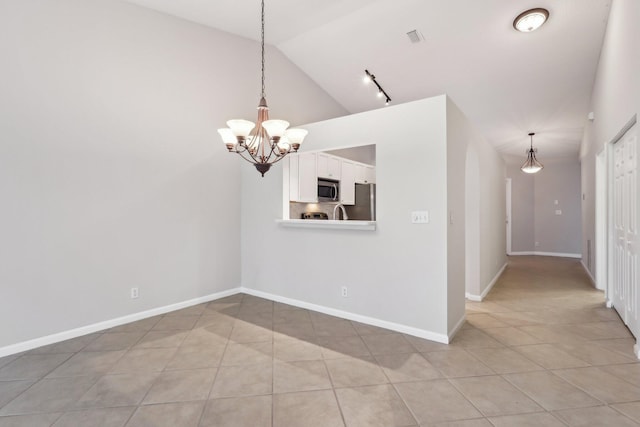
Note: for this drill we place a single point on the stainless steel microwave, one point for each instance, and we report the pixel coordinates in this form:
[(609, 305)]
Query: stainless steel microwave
[(328, 190)]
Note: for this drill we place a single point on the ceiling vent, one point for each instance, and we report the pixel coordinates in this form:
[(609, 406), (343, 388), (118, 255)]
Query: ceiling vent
[(415, 36)]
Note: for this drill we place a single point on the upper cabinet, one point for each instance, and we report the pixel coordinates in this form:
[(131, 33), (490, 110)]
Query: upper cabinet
[(303, 178), (365, 174), (329, 166), (347, 183)]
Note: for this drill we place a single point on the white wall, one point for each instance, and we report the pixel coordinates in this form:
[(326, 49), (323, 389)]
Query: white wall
[(397, 273), (533, 208), (406, 274), (485, 218), (615, 99), (112, 174)]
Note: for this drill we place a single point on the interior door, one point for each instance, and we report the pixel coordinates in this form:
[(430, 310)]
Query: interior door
[(625, 296)]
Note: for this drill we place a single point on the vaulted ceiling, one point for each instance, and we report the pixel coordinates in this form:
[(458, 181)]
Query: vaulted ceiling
[(508, 83)]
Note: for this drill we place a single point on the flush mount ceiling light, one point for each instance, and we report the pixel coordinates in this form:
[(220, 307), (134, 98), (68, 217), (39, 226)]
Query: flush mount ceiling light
[(267, 141), (530, 20), (368, 78), (531, 165)]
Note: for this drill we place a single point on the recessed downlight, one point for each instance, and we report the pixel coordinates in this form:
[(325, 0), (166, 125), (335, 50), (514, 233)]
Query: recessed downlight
[(530, 20)]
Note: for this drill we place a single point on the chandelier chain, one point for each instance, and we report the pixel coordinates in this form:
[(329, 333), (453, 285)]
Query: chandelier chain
[(262, 47)]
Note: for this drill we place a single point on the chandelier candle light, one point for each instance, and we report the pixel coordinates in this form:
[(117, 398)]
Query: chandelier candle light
[(267, 141), (531, 165)]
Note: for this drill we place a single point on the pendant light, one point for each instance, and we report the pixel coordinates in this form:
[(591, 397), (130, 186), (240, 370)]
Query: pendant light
[(531, 165), (267, 141)]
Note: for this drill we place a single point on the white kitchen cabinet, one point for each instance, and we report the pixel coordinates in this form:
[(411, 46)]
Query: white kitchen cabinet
[(348, 183), (365, 174), (303, 178), (328, 166)]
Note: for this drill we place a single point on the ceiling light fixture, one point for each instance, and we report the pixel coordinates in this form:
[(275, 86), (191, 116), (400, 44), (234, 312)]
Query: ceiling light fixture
[(368, 78), (266, 142), (530, 20), (531, 165)]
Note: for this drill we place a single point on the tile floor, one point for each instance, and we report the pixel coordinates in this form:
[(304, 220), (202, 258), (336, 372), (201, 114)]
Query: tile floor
[(541, 350)]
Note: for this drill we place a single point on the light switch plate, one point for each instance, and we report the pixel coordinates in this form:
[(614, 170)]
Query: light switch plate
[(420, 217), (558, 212)]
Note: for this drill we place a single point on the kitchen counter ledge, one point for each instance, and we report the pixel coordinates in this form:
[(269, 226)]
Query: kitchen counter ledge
[(327, 223)]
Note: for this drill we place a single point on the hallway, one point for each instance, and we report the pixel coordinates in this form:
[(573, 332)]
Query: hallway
[(542, 350)]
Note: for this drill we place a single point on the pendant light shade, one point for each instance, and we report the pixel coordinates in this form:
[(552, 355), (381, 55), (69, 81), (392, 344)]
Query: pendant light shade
[(531, 165)]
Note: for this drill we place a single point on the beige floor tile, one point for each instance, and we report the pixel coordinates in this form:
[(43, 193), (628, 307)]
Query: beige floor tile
[(601, 384), (291, 350), (184, 414), (340, 347), (247, 353), (603, 330), (479, 422), (493, 396), (207, 336), (594, 354), (623, 346), (301, 330), (457, 363), (387, 344), (68, 346), (512, 336), (196, 357), (143, 360), (485, 321), (181, 386), (263, 319), (247, 380), (308, 409), (244, 332), (550, 356), (300, 376), (138, 326), (39, 420), (9, 390), (353, 372), (32, 366), (117, 390), (334, 328), (88, 363), (628, 372), (49, 395), (113, 341), (550, 391), (364, 329), (8, 359), (631, 410), (217, 323), (407, 367), (436, 401), (596, 416), (161, 339), (373, 406), (175, 323), (254, 411), (194, 310), (504, 360), (474, 338), (103, 417), (552, 333), (425, 346), (291, 316), (528, 420)]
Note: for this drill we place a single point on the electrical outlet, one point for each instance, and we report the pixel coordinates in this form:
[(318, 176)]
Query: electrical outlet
[(134, 293), (558, 211), (344, 291), (419, 217)]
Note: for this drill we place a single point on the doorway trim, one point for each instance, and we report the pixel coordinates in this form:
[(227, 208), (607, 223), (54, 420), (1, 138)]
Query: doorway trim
[(508, 214)]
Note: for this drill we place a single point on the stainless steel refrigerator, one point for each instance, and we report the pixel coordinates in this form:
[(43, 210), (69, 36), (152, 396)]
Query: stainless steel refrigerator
[(365, 207)]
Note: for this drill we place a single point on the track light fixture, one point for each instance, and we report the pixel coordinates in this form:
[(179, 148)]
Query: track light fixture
[(368, 78)]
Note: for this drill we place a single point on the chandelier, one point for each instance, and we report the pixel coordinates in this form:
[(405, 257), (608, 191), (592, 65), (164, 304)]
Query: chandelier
[(267, 141), (531, 165)]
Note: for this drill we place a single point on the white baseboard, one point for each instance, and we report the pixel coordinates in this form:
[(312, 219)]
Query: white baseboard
[(479, 298), (95, 327), (409, 330), (456, 328), (593, 281), (557, 254)]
